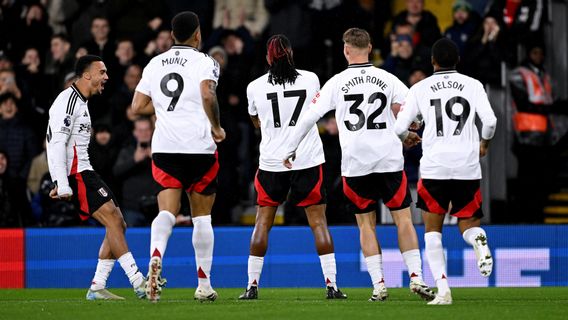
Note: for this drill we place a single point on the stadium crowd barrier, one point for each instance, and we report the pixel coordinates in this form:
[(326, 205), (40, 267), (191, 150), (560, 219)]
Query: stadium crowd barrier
[(525, 256)]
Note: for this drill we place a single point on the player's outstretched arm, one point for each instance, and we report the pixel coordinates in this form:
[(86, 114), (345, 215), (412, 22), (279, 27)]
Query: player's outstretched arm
[(142, 104), (211, 107), (306, 122)]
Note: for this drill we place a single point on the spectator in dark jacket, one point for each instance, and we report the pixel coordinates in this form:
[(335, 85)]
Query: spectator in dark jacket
[(426, 30), (485, 52), (16, 138), (466, 23), (103, 153), (134, 168)]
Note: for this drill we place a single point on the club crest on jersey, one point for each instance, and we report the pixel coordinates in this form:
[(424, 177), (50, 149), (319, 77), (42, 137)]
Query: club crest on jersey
[(103, 192), (85, 114), (67, 121)]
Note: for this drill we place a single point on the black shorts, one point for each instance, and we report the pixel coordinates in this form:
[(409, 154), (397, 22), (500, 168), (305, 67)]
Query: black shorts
[(363, 192), (90, 192), (436, 195), (305, 187), (190, 172)]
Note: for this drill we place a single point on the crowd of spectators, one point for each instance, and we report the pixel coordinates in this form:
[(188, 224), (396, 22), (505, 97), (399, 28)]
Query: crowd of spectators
[(41, 39)]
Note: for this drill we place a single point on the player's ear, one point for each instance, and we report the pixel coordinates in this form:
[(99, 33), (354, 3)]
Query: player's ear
[(268, 60)]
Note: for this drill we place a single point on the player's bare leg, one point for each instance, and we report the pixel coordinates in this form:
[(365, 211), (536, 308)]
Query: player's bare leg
[(408, 245), (435, 252), (476, 237), (111, 218), (324, 247), (367, 223), (203, 241), (161, 230), (258, 246)]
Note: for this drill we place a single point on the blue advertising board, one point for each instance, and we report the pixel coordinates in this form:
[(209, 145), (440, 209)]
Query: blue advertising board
[(525, 256)]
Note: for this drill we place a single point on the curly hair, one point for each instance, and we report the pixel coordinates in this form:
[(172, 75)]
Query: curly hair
[(281, 63)]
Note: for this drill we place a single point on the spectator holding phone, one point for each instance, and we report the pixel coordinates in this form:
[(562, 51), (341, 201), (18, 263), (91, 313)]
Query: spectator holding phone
[(134, 168)]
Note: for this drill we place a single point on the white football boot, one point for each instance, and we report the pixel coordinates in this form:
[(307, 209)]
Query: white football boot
[(203, 295), (154, 281), (442, 300), (380, 293), (483, 254), (420, 288), (102, 294)]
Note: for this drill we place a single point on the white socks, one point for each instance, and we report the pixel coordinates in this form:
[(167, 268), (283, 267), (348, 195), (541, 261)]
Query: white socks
[(161, 231), (254, 270), (413, 262), (129, 266), (203, 240), (329, 269), (437, 260), (470, 234), (104, 267), (375, 268)]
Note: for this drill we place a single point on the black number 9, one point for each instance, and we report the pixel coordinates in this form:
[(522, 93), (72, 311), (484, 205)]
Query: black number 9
[(169, 93)]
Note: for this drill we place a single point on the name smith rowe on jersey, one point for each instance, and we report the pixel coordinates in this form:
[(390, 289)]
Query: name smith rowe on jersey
[(364, 79)]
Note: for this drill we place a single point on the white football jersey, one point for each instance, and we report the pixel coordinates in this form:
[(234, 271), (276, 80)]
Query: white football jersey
[(279, 107), (448, 102), (68, 136), (362, 96), (172, 79)]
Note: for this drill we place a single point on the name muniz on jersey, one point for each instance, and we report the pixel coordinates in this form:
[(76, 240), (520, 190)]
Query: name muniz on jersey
[(174, 60), (363, 79)]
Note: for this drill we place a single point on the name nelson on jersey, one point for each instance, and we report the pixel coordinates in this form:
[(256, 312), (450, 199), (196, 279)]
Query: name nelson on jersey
[(361, 80), (447, 85)]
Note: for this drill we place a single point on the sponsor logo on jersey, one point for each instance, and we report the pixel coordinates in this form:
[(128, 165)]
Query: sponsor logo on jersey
[(67, 121), (66, 130), (85, 127), (315, 99), (103, 192)]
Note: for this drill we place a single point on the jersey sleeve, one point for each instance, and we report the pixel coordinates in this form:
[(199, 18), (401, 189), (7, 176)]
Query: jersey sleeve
[(144, 86), (59, 128), (485, 113), (325, 99), (400, 90), (209, 70), (408, 112), (250, 98)]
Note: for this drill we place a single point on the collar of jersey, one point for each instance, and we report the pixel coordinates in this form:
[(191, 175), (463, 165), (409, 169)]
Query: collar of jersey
[(446, 71), (360, 65), (183, 46), (81, 96)]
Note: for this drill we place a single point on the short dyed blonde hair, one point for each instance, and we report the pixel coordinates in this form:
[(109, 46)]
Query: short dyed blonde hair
[(357, 38)]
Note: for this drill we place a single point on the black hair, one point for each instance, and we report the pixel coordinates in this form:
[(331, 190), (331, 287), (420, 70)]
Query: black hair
[(184, 25), (445, 53), (61, 36), (7, 96), (84, 63), (281, 69)]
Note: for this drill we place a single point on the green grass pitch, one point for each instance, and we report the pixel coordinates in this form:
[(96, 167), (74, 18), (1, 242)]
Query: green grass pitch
[(470, 303)]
